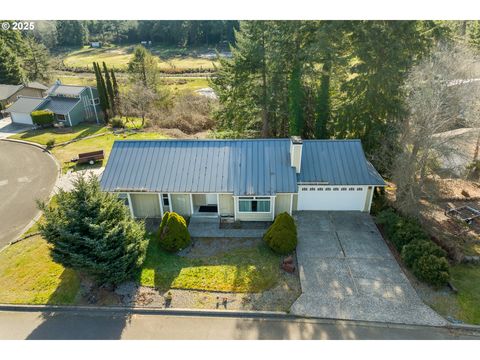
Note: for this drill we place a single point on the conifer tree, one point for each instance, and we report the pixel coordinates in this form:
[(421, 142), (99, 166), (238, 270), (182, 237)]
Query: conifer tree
[(92, 231)]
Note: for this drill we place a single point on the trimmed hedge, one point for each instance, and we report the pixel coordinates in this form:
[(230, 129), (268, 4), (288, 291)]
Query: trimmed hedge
[(281, 236), (426, 259), (173, 233), (42, 117)]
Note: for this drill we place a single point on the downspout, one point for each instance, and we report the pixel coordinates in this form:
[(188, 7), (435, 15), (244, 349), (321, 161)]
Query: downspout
[(93, 103)]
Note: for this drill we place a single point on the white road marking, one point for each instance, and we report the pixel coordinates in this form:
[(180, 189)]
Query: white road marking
[(3, 182), (24, 179)]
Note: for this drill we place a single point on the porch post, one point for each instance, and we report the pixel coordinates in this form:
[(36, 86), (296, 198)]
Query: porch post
[(160, 200), (291, 204), (191, 203), (371, 198), (170, 205), (273, 207), (130, 205), (218, 204)]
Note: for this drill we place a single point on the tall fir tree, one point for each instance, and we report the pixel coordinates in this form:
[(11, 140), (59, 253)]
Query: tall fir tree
[(116, 91), (10, 69), (102, 93), (109, 89)]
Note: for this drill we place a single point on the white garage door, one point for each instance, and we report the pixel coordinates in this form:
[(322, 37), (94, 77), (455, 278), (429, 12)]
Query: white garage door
[(335, 198), (21, 118)]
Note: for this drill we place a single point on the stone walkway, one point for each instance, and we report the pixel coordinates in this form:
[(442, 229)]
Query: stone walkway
[(348, 272)]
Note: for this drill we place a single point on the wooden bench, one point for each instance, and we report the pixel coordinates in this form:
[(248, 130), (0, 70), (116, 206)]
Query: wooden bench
[(89, 157)]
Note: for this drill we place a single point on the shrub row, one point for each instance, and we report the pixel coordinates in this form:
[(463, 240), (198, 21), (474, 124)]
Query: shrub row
[(426, 259), (42, 117), (281, 236)]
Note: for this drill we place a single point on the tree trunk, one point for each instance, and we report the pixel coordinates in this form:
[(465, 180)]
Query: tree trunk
[(265, 125)]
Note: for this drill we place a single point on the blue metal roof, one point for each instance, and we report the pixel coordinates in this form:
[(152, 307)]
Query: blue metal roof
[(241, 167), (337, 162), (59, 105)]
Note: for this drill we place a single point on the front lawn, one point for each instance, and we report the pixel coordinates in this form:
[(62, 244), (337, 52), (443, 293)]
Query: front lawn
[(41, 136), (65, 153), (28, 275), (252, 269), (466, 278)]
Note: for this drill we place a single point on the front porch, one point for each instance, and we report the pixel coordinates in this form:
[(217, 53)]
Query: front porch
[(206, 227)]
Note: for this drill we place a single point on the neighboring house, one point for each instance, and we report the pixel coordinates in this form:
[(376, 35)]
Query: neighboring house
[(70, 104), (248, 180), (10, 93)]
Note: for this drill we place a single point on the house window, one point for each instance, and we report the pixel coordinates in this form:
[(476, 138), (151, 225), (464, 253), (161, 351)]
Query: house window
[(165, 200), (343, 189), (319, 189), (254, 204), (61, 117), (359, 189), (328, 189), (304, 189), (312, 189), (335, 189), (351, 189), (96, 101)]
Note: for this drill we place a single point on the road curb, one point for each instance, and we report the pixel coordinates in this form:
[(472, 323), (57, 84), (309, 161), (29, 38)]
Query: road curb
[(152, 310)]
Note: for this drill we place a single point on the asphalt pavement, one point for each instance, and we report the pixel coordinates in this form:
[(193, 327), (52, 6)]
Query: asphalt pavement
[(27, 173), (105, 324)]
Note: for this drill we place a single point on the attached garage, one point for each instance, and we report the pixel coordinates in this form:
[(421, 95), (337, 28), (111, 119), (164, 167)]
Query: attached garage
[(21, 109), (21, 118), (334, 198)]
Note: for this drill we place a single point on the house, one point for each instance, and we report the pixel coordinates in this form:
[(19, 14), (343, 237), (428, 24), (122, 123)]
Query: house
[(70, 104), (248, 180), (10, 93)]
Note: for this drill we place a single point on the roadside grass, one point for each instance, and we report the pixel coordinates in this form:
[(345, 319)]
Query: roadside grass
[(119, 56), (67, 152), (28, 275), (41, 136), (253, 269)]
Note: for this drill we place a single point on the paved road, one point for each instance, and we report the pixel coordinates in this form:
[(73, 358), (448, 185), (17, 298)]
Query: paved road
[(348, 272), (108, 325), (26, 173)]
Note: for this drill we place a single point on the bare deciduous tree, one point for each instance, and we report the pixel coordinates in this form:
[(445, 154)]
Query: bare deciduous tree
[(441, 91)]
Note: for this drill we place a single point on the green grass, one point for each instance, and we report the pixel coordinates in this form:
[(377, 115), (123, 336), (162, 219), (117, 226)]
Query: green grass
[(466, 278), (119, 56), (43, 135), (28, 275), (244, 270), (65, 153)]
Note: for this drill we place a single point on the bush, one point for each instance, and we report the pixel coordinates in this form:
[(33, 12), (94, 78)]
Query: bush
[(50, 143), (432, 269), (117, 123), (281, 236), (42, 117), (418, 248), (401, 231), (173, 233)]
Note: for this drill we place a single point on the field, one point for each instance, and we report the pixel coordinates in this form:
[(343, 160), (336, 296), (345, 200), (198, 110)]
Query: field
[(119, 56)]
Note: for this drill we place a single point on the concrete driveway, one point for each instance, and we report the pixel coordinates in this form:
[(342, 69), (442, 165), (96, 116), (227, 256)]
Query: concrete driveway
[(27, 173), (348, 272), (7, 128)]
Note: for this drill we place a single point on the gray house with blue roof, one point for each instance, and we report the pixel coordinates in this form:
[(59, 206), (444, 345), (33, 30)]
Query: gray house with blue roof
[(248, 180), (70, 105)]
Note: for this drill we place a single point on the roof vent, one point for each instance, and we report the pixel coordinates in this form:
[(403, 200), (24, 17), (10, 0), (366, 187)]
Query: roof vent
[(296, 144)]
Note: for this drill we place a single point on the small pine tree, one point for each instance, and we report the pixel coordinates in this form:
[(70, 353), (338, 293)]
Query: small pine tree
[(93, 232), (173, 233)]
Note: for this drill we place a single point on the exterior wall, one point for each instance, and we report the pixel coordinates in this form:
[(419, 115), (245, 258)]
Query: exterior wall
[(226, 205), (181, 204), (28, 92), (145, 205), (295, 202), (199, 199), (282, 203), (21, 118), (77, 114)]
